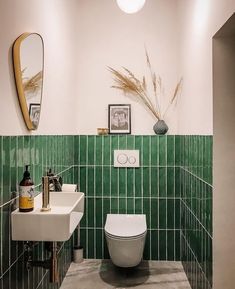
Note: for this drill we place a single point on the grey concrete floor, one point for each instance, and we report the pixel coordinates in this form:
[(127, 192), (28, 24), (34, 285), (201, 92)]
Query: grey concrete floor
[(102, 274)]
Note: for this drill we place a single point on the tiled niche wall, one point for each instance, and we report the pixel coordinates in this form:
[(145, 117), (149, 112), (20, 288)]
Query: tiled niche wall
[(152, 189), (196, 209), (42, 153)]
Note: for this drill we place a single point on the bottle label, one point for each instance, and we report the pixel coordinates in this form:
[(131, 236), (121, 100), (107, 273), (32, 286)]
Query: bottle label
[(26, 199)]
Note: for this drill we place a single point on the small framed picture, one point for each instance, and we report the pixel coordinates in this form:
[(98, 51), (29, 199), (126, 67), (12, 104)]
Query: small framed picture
[(119, 118), (34, 113)]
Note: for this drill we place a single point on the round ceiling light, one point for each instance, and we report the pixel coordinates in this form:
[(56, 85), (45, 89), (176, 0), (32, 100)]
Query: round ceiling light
[(130, 6)]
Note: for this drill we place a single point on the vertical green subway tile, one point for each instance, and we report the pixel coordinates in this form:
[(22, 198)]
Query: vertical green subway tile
[(91, 150), (122, 182), (170, 245), (6, 172), (170, 150), (98, 181), (5, 230), (154, 245), (91, 215), (177, 182), (122, 142), (138, 206), (26, 153), (106, 209), (146, 182), (162, 214), (154, 151), (106, 251), (177, 245), (76, 149), (146, 210), (130, 182), (170, 213), (162, 150), (114, 182), (177, 150), (91, 243), (98, 244), (130, 142), (154, 213), (114, 206), (98, 212), (147, 247), (138, 146), (44, 152), (91, 181), (146, 150), (83, 180), (99, 150), (162, 245), (170, 182), (1, 171), (106, 181), (177, 213), (13, 175), (154, 182), (122, 205), (130, 205), (107, 150), (138, 182), (83, 150), (162, 182), (114, 146)]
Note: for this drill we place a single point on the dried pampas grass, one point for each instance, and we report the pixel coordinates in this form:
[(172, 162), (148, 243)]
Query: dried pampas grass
[(129, 84), (32, 84)]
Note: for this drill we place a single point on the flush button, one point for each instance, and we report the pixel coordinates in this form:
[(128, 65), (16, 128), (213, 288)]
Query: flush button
[(122, 159), (132, 159), (126, 158)]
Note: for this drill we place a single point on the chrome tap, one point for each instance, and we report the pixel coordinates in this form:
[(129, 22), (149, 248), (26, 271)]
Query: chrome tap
[(45, 194)]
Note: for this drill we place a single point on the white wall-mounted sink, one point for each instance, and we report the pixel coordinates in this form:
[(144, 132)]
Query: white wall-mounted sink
[(58, 224)]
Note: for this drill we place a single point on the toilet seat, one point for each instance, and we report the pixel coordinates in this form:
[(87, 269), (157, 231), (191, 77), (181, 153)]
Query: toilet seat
[(125, 238), (125, 226)]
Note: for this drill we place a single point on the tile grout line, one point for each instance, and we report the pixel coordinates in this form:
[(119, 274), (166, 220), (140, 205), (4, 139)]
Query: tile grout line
[(195, 217), (197, 177), (195, 257), (150, 193), (158, 194), (94, 193), (102, 190), (87, 216)]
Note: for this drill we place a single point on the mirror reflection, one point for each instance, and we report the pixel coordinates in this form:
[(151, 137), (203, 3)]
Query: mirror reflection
[(28, 66)]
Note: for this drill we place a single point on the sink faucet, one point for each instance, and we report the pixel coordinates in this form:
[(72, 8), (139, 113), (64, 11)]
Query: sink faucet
[(45, 194)]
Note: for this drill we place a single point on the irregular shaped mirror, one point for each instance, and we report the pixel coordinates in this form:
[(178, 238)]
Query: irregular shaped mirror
[(28, 56)]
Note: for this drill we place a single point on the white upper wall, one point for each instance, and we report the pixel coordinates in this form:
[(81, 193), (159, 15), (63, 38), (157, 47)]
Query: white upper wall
[(54, 20), (199, 20), (83, 37), (109, 37)]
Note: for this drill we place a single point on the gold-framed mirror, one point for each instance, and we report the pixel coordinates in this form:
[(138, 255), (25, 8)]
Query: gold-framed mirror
[(28, 61)]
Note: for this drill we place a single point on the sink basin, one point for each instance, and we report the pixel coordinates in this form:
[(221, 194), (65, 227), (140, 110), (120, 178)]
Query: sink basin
[(58, 224)]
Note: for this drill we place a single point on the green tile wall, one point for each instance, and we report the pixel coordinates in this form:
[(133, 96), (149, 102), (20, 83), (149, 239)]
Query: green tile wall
[(173, 187), (196, 209), (41, 152), (152, 189)]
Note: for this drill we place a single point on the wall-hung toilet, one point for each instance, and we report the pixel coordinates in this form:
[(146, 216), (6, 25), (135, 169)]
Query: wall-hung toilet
[(125, 235)]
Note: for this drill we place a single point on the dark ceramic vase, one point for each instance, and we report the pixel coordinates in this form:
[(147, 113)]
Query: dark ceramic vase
[(160, 127)]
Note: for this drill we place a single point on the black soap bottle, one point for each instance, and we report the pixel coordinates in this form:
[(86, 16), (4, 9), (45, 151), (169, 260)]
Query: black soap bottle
[(26, 192)]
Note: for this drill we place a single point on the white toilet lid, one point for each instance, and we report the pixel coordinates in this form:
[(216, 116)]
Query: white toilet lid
[(125, 225)]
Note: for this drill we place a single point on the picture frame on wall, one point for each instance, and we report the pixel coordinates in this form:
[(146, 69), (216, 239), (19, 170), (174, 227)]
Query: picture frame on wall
[(34, 113), (119, 118)]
